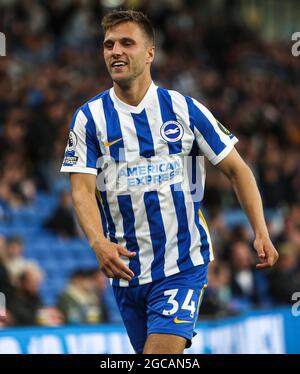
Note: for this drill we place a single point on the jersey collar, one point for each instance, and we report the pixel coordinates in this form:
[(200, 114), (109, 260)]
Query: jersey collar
[(120, 105)]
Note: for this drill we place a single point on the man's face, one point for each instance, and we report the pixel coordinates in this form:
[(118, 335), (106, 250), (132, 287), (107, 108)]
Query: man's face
[(127, 52)]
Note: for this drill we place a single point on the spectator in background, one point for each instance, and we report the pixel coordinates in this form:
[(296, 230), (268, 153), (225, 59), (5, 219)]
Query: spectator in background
[(217, 302), (16, 264), (5, 211), (106, 296), (249, 287), (12, 138), (62, 222), (79, 303), (272, 181), (291, 228), (285, 278), (24, 306), (6, 285), (13, 171)]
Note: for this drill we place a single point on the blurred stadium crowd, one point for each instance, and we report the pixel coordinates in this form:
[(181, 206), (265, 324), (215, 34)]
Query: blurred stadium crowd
[(53, 65)]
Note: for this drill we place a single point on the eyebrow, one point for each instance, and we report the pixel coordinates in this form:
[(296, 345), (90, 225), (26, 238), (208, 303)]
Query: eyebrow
[(122, 40)]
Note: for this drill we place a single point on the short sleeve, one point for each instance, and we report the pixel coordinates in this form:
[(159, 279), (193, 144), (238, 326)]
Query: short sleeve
[(214, 140), (83, 150)]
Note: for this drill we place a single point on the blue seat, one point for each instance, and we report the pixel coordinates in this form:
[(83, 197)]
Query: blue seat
[(88, 263), (49, 298), (6, 230)]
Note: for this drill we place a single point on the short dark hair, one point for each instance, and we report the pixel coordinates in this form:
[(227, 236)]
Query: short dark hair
[(120, 16)]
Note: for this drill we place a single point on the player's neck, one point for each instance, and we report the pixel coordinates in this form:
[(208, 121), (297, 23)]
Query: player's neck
[(134, 93)]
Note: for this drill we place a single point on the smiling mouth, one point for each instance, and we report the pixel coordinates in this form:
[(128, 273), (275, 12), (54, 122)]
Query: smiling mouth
[(118, 64)]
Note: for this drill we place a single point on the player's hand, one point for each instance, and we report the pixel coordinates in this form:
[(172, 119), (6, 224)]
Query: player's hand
[(266, 252), (108, 255)]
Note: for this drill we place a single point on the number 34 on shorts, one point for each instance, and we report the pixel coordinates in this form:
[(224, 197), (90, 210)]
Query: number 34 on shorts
[(182, 304)]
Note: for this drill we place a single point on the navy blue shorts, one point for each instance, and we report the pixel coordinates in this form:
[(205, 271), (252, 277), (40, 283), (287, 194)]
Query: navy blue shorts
[(167, 306)]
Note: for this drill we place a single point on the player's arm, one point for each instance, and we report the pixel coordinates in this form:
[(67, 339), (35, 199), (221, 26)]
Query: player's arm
[(83, 188), (244, 184)]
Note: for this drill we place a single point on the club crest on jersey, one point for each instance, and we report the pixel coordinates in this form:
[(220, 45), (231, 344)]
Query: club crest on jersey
[(171, 131), (72, 141)]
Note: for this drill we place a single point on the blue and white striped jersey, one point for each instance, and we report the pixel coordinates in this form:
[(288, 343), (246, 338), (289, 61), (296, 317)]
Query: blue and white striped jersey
[(149, 163)]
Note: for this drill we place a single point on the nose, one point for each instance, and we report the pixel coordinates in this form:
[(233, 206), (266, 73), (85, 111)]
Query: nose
[(117, 49)]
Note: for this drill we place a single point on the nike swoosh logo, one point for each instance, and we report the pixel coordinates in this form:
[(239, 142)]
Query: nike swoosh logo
[(109, 144), (176, 320)]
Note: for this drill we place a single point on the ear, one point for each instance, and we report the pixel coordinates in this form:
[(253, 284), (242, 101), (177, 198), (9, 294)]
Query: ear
[(151, 53)]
